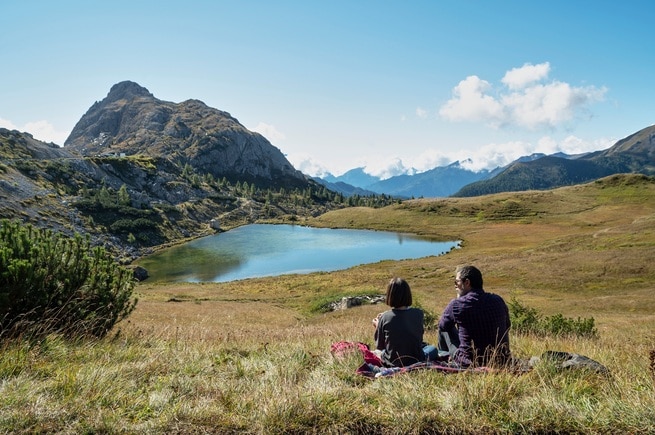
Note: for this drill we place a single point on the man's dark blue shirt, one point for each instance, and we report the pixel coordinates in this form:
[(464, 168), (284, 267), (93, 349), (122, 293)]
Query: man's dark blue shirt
[(482, 320)]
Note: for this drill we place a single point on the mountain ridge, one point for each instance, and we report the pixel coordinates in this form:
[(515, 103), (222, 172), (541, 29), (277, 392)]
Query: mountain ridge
[(131, 120), (633, 154)]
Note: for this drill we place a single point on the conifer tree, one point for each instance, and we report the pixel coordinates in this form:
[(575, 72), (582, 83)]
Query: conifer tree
[(123, 196), (53, 283)]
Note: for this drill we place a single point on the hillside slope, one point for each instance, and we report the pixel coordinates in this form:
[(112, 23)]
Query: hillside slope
[(633, 154), (134, 203)]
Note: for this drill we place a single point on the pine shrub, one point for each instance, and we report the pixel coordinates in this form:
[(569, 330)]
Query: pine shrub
[(526, 320), (53, 283)]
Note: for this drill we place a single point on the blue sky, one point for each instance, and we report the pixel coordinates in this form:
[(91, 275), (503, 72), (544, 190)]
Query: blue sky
[(386, 85)]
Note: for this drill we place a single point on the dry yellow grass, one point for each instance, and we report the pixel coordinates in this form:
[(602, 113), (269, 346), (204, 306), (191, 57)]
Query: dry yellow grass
[(250, 356), (581, 251)]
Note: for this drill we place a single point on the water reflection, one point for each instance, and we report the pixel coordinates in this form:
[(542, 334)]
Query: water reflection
[(268, 250), (188, 263)]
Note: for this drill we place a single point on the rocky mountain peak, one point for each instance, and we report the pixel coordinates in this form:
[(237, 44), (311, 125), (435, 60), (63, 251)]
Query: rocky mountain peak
[(127, 90), (130, 120)]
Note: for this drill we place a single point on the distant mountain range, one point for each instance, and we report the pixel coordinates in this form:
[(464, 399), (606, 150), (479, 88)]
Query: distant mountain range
[(634, 154), (441, 181), (437, 182)]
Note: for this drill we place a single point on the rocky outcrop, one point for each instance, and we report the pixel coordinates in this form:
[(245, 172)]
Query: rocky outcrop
[(17, 145), (355, 301), (131, 120)]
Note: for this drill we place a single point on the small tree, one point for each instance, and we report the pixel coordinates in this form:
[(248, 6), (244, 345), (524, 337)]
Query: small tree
[(124, 196), (53, 283)]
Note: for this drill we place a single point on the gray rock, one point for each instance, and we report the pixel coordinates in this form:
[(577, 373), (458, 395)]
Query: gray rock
[(140, 273)]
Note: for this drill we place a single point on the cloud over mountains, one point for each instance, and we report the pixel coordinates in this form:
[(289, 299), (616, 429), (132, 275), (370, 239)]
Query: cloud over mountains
[(41, 130), (527, 100)]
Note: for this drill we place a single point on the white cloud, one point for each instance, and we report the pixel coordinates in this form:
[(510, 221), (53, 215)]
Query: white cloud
[(269, 132), (573, 145), (518, 78), (470, 102), (430, 159), (548, 145), (495, 155), (524, 101), (44, 131), (421, 113), (386, 167), (487, 157), (383, 167), (550, 105), (306, 164), (40, 130), (5, 123)]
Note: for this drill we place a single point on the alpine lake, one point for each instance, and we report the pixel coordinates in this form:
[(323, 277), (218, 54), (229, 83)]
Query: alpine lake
[(259, 250)]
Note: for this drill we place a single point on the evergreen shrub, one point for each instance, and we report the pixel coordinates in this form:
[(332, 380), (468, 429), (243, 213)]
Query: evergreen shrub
[(527, 320), (53, 283)]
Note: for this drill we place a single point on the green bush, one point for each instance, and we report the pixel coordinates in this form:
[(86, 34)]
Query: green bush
[(527, 321), (132, 225), (53, 283)]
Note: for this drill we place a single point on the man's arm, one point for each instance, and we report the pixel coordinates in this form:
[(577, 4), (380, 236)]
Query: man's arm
[(447, 319)]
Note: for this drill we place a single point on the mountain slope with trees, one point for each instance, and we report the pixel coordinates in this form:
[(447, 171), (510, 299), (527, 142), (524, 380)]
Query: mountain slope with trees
[(634, 154), (134, 203)]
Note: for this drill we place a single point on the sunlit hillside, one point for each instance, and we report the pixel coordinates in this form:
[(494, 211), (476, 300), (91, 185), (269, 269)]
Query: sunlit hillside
[(254, 356)]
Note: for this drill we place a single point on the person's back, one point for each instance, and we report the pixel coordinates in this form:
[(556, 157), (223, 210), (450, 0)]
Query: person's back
[(477, 321), (399, 331), (400, 335), (483, 325)]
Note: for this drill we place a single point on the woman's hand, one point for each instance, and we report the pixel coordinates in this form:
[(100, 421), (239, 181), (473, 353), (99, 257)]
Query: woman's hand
[(376, 320)]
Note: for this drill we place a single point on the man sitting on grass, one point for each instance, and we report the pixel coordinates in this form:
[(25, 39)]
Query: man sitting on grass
[(474, 327)]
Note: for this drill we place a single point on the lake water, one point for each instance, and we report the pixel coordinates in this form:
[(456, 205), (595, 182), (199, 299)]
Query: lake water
[(268, 250)]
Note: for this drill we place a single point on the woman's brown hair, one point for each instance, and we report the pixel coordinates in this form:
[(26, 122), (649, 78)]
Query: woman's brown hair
[(398, 293)]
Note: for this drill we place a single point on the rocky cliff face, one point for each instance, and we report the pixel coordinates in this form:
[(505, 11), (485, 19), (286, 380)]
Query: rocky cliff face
[(131, 120)]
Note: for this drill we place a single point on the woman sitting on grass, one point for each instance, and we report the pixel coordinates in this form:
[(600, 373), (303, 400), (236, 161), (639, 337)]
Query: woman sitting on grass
[(399, 331)]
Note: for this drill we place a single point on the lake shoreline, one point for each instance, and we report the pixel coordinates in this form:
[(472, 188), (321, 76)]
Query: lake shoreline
[(262, 250)]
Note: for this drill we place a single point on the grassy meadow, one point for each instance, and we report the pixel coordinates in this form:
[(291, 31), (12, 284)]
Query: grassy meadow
[(253, 356)]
